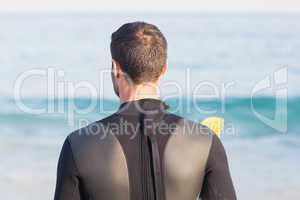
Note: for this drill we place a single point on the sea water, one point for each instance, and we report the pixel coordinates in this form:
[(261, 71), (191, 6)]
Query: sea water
[(216, 63)]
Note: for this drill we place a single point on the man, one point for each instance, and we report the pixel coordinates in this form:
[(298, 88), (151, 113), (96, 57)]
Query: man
[(142, 152)]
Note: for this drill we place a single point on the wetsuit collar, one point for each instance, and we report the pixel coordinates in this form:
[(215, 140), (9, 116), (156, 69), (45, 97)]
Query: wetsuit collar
[(138, 106)]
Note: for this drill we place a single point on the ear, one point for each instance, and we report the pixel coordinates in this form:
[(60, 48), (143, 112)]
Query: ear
[(164, 69), (116, 69)]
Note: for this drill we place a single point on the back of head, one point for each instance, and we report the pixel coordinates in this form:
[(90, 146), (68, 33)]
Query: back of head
[(141, 51)]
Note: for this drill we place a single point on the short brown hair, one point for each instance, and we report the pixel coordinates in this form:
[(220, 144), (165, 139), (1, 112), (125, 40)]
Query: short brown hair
[(141, 50)]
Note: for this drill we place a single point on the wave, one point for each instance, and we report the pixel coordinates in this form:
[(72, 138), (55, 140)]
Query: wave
[(240, 114)]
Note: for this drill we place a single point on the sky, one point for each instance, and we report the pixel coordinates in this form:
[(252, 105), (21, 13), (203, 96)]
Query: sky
[(151, 5)]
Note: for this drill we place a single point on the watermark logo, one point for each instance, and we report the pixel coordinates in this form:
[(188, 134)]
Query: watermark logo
[(277, 83)]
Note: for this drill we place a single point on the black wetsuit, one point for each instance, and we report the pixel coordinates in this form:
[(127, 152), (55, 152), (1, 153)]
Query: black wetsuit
[(142, 152)]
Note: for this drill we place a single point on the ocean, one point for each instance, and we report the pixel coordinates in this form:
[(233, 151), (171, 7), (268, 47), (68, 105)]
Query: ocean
[(244, 67)]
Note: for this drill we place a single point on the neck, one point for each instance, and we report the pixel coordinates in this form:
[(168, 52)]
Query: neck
[(142, 91)]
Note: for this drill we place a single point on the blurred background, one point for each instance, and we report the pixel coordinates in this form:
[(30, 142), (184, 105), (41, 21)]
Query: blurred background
[(235, 59)]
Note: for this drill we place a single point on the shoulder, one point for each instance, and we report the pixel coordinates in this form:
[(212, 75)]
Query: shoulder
[(188, 127), (94, 128), (186, 134), (97, 132), (90, 144), (189, 142)]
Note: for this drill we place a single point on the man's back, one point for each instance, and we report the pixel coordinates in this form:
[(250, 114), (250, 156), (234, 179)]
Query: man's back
[(142, 152)]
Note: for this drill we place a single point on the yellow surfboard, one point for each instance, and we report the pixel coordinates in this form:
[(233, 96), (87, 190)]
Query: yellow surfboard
[(216, 124)]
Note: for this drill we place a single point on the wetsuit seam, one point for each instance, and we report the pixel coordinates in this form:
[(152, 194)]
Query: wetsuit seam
[(73, 158), (164, 152), (205, 169), (209, 152), (75, 165), (127, 164), (210, 188)]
